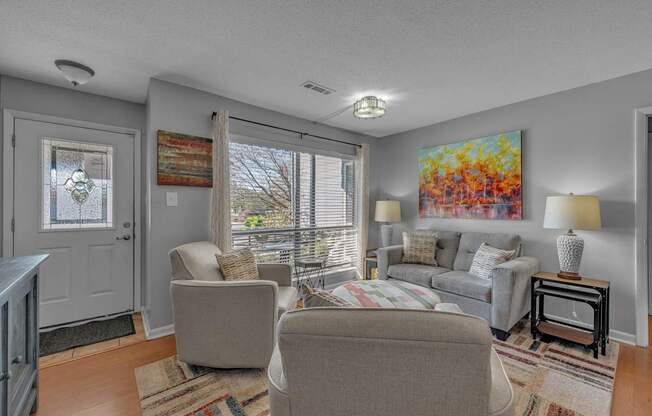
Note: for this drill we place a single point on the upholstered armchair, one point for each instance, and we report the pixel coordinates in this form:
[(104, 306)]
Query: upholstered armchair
[(386, 362), (225, 324)]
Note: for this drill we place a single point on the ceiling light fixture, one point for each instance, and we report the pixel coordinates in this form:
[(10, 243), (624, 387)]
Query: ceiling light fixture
[(369, 107), (74, 72)]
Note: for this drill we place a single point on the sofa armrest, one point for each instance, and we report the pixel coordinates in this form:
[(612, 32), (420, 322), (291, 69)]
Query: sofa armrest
[(510, 299), (386, 257), (215, 321), (276, 272)]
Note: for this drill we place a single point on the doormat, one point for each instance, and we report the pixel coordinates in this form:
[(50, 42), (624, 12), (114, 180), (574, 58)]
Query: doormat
[(62, 339)]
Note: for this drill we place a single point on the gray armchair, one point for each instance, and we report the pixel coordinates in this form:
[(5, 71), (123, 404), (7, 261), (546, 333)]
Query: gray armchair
[(225, 324), (386, 362)]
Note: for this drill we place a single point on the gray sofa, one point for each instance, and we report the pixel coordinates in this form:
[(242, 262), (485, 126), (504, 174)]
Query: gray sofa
[(502, 300), (386, 362), (225, 324)]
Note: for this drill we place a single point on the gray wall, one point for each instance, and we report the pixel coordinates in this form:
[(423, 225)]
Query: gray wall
[(185, 110), (34, 97), (581, 141)]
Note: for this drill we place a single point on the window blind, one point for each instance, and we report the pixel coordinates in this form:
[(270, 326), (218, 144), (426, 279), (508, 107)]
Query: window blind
[(288, 205)]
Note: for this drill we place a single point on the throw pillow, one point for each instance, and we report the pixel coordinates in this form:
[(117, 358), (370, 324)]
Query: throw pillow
[(316, 298), (420, 247), (487, 258), (238, 265)]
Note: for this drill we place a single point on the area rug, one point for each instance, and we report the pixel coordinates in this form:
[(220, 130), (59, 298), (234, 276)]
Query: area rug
[(549, 379), (172, 388), (557, 378), (62, 339)]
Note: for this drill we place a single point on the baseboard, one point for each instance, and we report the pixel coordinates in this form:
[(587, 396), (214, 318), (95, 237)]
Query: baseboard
[(153, 333), (615, 335)]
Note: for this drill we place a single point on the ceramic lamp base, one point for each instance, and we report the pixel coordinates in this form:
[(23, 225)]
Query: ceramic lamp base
[(569, 248), (386, 231)]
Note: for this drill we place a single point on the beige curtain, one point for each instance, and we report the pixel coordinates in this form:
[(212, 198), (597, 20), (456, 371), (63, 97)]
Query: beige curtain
[(362, 178), (221, 196)]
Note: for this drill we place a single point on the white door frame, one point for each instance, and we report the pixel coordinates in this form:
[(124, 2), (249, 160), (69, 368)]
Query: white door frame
[(9, 117), (641, 219)]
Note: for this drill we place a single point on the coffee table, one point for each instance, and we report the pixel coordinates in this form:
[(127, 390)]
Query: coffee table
[(387, 294)]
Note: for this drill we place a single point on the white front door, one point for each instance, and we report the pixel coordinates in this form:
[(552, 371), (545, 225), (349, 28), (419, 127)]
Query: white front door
[(74, 199)]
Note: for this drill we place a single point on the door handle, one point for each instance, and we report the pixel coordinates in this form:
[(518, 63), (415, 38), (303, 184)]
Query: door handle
[(125, 237), (5, 376), (17, 359)]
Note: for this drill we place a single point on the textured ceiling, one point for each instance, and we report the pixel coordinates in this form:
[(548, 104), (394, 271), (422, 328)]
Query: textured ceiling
[(431, 60)]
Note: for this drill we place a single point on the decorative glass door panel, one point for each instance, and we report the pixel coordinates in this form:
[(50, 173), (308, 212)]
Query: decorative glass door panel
[(77, 185)]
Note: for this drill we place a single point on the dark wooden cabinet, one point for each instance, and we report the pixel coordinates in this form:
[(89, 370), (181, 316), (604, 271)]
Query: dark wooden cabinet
[(19, 347)]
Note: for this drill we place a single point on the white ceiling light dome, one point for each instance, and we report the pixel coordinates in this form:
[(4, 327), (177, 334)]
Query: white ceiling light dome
[(74, 72), (369, 107)]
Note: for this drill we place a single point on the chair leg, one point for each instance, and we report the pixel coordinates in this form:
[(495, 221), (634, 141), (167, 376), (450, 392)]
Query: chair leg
[(500, 334)]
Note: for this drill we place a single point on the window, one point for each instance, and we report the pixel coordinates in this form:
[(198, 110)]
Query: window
[(287, 205), (77, 185)]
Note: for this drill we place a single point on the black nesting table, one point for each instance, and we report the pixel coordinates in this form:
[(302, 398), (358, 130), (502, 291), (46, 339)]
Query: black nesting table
[(593, 292)]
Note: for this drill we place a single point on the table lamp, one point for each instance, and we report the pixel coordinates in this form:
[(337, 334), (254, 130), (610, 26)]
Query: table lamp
[(387, 212), (571, 212)]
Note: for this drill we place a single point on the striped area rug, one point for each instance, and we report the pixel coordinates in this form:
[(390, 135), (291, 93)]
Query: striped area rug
[(549, 379), (171, 388), (557, 379)]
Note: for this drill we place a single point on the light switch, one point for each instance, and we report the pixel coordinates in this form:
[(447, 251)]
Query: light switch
[(171, 199)]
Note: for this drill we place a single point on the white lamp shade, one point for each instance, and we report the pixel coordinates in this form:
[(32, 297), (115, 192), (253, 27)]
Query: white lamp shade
[(572, 212), (388, 211)]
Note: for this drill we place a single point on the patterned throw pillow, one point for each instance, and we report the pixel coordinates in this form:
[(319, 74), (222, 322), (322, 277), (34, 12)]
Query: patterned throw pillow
[(487, 258), (238, 265), (419, 247), (316, 298)]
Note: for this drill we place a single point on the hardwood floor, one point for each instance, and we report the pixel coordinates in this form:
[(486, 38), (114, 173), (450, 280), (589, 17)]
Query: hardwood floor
[(104, 385), (633, 390), (101, 384)]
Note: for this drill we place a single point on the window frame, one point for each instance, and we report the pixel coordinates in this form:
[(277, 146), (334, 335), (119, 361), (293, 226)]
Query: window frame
[(297, 149)]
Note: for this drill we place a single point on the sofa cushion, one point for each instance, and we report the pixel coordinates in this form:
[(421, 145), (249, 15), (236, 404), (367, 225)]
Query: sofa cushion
[(419, 247), (419, 274), (487, 258), (238, 265), (447, 244), (470, 242), (463, 284), (318, 298)]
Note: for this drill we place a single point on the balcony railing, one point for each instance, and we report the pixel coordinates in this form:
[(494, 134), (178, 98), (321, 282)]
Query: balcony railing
[(337, 245)]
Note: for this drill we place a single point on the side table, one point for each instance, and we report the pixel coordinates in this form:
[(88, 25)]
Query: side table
[(593, 292), (370, 259), (310, 271)]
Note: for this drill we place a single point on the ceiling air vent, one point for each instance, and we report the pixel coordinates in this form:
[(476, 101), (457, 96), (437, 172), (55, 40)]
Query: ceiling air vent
[(317, 88)]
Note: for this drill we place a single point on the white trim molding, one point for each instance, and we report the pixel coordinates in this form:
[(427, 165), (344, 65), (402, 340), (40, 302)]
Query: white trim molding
[(641, 219), (153, 333)]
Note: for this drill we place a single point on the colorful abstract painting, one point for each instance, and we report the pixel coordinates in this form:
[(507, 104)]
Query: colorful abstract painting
[(476, 178), (184, 160)]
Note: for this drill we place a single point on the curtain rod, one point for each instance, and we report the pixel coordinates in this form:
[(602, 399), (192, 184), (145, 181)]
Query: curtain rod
[(300, 133)]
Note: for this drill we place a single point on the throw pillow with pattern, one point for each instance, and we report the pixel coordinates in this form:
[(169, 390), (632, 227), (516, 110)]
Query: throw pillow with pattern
[(487, 258), (420, 247), (238, 265), (316, 298)]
